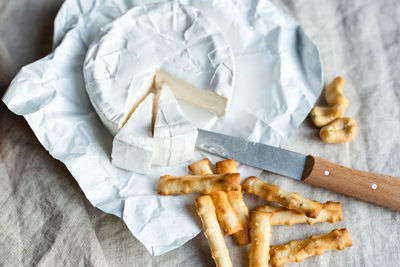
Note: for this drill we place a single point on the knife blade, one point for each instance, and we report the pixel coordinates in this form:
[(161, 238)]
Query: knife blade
[(380, 189), (273, 159)]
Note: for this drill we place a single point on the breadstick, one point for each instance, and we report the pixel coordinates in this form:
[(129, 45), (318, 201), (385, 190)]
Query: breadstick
[(227, 217), (201, 167), (331, 212), (226, 166), (236, 200), (289, 200), (260, 233), (219, 251), (298, 250), (207, 183)]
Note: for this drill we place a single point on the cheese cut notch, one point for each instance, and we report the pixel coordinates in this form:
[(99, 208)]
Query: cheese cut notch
[(174, 136), (133, 145), (187, 92)]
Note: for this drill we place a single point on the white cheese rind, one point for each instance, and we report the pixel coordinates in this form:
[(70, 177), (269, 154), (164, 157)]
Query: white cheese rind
[(174, 136), (133, 145), (120, 64)]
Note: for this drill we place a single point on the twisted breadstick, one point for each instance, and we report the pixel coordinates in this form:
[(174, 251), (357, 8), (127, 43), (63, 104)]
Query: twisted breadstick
[(331, 212), (298, 250), (289, 200), (208, 183)]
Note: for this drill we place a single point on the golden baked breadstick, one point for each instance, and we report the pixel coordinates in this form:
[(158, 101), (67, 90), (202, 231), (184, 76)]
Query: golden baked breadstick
[(260, 233), (331, 212), (236, 200), (289, 200), (207, 183), (298, 250), (219, 251), (201, 167), (226, 166), (228, 218)]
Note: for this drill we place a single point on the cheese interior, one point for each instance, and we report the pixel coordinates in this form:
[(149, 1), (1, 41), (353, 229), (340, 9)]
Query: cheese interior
[(183, 90)]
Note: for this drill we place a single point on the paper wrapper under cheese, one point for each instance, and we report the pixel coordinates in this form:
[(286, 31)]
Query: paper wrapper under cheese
[(219, 251), (298, 250), (236, 200), (331, 212), (260, 233), (289, 200), (227, 217), (169, 185)]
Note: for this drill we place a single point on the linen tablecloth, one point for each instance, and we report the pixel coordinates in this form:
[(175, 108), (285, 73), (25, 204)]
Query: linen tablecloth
[(45, 219)]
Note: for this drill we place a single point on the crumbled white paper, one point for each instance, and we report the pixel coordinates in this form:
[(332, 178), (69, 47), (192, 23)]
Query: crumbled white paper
[(278, 79)]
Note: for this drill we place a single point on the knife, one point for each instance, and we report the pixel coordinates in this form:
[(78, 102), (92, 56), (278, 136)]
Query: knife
[(379, 189)]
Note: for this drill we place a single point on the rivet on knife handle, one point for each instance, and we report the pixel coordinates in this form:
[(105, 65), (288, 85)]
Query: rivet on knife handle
[(375, 188)]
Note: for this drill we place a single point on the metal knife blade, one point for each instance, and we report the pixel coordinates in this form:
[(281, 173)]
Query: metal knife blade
[(273, 159), (376, 188)]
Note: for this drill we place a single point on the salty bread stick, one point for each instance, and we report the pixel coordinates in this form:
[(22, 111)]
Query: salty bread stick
[(236, 200), (219, 251), (298, 250), (201, 167), (227, 217), (260, 234), (331, 212), (289, 200), (207, 183), (226, 166)]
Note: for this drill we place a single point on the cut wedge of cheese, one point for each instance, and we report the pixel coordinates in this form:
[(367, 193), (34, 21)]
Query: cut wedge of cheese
[(133, 145), (174, 136), (183, 90), (174, 42)]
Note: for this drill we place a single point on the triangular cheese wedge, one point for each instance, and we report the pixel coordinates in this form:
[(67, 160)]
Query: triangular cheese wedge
[(133, 145), (174, 136)]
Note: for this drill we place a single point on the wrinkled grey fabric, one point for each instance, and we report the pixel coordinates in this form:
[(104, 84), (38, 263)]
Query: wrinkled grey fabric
[(45, 219)]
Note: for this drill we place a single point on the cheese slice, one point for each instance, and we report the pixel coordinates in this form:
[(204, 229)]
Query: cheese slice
[(133, 145), (174, 136), (174, 42)]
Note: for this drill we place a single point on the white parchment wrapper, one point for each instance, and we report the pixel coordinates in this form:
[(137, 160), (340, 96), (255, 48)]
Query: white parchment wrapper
[(278, 79)]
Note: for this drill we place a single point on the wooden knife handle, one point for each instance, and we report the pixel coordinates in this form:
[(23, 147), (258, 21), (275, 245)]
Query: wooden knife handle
[(379, 189)]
